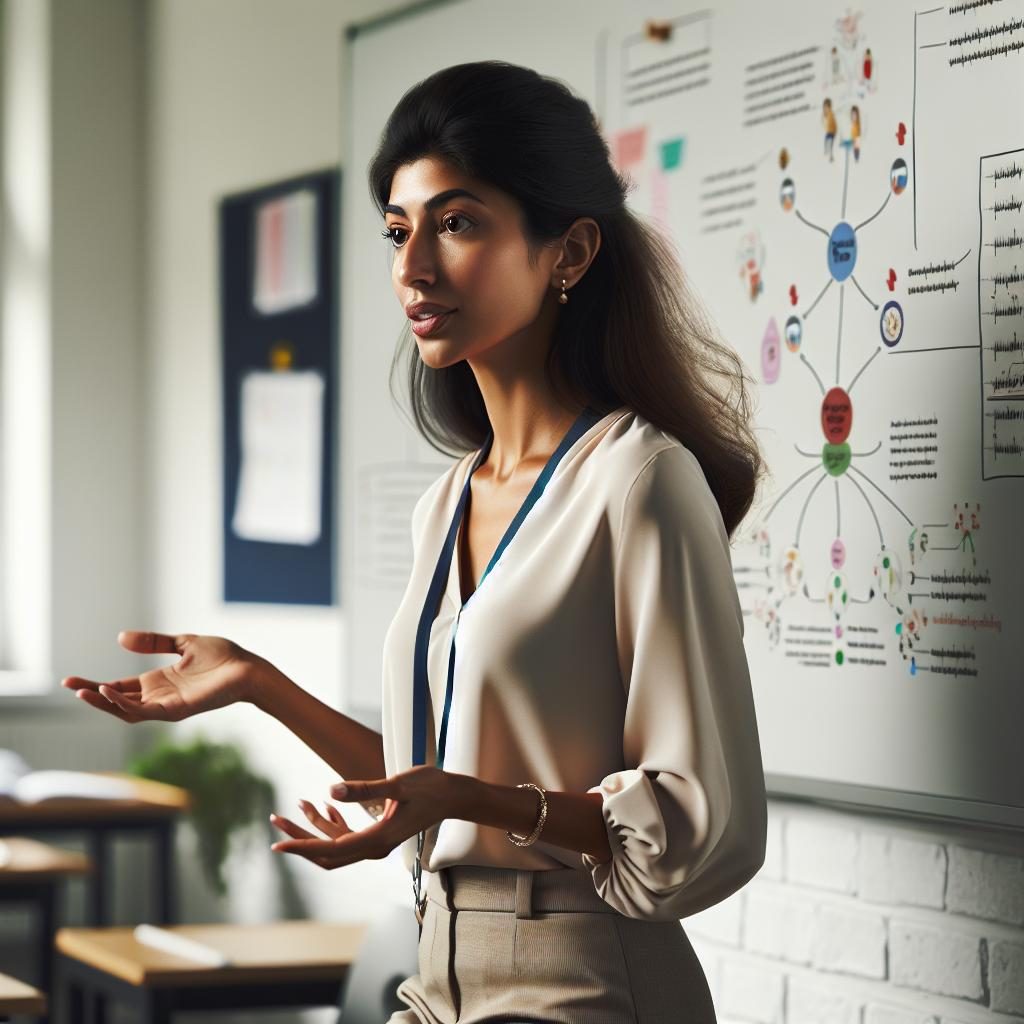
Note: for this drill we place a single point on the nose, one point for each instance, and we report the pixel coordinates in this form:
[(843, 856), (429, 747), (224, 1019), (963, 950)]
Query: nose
[(416, 261)]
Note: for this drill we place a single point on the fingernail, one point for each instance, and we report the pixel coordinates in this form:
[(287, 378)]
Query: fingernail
[(340, 789)]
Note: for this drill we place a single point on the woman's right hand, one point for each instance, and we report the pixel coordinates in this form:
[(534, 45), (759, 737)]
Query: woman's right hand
[(211, 673)]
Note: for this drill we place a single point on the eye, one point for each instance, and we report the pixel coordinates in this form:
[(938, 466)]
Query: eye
[(456, 217), (389, 233)]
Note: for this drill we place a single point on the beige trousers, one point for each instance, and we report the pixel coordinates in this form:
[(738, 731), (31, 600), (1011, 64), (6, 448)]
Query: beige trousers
[(512, 946)]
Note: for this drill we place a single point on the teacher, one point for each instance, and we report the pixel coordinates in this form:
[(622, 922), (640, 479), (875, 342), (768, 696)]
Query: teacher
[(570, 761)]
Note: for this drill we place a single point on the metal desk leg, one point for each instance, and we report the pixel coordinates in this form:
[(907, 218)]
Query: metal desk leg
[(156, 1008), (96, 894), (47, 929), (165, 895), (74, 998)]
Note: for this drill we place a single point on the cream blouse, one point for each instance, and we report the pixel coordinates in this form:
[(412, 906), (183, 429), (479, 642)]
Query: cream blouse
[(603, 653)]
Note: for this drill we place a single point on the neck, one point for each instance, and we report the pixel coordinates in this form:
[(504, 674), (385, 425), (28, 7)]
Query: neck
[(527, 430), (528, 421), (527, 417)]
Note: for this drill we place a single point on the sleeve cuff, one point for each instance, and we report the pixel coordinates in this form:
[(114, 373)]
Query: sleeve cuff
[(641, 879)]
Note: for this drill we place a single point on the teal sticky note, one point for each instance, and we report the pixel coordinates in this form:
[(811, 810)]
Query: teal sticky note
[(672, 152)]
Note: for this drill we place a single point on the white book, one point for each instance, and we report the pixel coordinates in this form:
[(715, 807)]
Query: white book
[(179, 945), (18, 782)]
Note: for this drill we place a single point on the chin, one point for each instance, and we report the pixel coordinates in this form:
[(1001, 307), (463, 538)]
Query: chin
[(435, 354)]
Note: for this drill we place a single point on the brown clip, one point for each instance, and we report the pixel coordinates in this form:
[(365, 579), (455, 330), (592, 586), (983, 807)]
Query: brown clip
[(658, 31)]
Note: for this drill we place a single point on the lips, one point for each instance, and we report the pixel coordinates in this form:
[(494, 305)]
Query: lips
[(415, 309), (432, 324)]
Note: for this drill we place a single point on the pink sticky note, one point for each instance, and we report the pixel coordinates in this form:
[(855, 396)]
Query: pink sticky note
[(630, 146)]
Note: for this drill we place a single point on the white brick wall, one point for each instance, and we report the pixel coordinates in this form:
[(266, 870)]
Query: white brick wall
[(986, 885), (858, 919), (936, 959)]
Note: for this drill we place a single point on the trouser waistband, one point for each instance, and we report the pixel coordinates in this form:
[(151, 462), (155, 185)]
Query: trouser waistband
[(515, 890)]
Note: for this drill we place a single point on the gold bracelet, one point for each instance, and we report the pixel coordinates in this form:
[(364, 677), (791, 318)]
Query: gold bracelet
[(541, 818)]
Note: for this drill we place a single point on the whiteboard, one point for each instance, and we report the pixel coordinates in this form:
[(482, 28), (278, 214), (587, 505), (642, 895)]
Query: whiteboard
[(872, 284)]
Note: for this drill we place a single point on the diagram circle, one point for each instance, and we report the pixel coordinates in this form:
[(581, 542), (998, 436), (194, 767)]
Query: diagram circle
[(794, 333), (898, 176), (891, 323), (842, 251)]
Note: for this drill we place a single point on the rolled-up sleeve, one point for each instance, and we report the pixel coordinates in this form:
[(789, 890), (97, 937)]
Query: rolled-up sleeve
[(687, 817)]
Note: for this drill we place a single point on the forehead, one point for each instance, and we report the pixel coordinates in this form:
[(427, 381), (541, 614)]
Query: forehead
[(419, 181)]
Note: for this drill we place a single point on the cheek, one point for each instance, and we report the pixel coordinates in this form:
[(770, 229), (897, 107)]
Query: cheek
[(498, 283)]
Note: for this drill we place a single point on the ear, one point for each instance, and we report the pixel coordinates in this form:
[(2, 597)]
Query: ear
[(580, 245)]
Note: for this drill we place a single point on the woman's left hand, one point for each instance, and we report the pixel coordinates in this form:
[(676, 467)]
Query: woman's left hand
[(414, 800)]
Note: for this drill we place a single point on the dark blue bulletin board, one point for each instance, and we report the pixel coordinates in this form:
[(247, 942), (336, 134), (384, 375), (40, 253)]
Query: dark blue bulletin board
[(279, 316)]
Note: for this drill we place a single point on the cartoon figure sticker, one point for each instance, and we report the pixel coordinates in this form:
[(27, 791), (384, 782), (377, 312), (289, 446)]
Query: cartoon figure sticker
[(855, 131), (750, 256), (828, 121), (771, 356), (791, 567)]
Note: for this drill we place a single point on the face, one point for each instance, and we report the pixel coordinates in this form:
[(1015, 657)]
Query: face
[(459, 243)]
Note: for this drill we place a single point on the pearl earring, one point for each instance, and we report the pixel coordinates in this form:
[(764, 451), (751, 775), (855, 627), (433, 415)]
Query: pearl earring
[(563, 298)]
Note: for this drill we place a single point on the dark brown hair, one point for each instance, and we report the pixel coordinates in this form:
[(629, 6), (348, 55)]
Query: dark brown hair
[(633, 333)]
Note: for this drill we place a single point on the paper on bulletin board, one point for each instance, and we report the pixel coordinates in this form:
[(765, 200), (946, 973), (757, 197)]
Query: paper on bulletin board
[(280, 472), (285, 264)]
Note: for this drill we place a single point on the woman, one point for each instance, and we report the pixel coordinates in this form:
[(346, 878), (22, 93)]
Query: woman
[(569, 742)]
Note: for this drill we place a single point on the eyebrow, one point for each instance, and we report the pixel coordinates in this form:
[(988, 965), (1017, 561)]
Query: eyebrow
[(435, 201)]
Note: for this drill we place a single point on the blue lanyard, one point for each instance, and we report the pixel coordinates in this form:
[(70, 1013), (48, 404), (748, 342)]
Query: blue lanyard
[(421, 687)]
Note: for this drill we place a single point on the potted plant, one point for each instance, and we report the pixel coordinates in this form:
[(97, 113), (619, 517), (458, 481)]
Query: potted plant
[(226, 796)]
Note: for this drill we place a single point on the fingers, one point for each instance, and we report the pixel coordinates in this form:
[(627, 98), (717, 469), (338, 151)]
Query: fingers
[(130, 705), (95, 700), (122, 698), (335, 826), (290, 828), (151, 643), (332, 853), (128, 686)]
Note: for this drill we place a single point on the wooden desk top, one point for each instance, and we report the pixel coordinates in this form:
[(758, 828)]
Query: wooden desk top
[(152, 799), (281, 951), (17, 997), (26, 860)]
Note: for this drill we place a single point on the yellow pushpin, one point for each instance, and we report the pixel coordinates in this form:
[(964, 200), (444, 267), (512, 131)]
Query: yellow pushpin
[(281, 356)]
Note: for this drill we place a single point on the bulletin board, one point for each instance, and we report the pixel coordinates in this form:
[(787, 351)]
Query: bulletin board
[(278, 267), (843, 185)]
